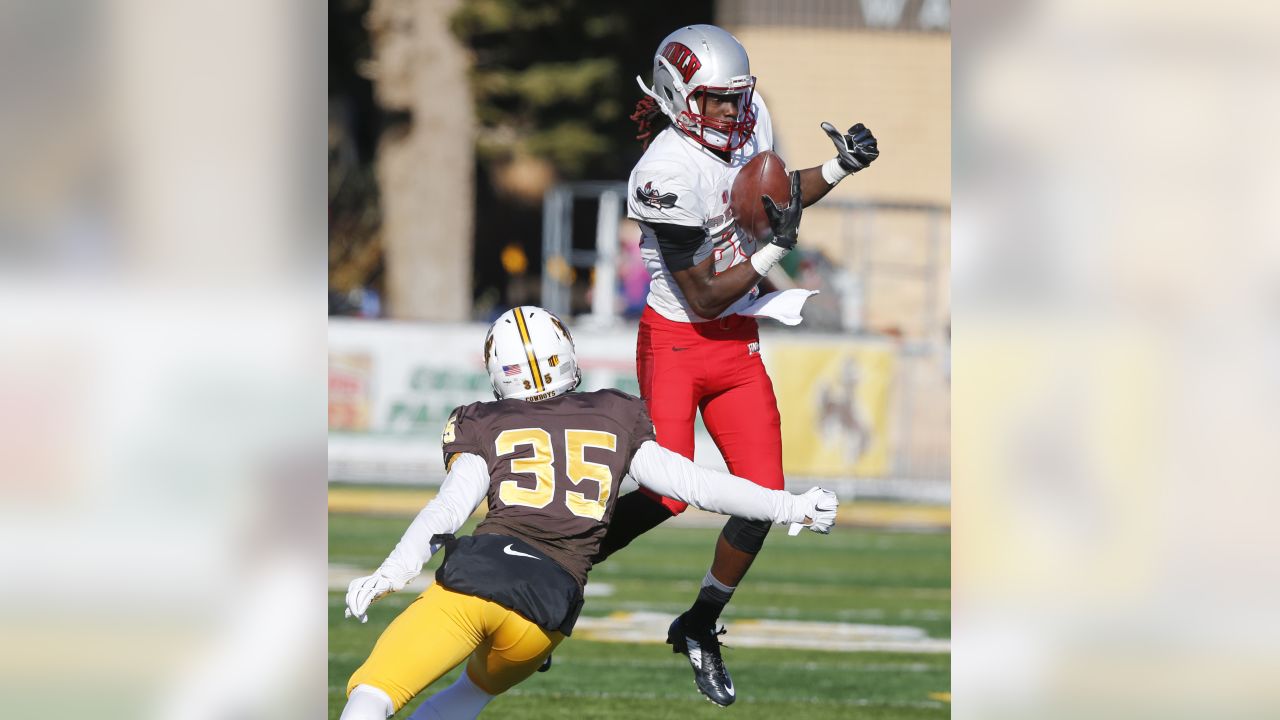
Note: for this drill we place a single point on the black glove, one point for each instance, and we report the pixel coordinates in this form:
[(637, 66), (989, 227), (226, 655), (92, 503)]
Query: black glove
[(855, 149), (785, 222)]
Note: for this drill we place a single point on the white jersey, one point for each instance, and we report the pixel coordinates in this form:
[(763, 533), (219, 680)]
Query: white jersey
[(679, 182)]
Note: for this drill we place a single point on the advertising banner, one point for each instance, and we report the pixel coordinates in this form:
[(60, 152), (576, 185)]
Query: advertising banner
[(392, 386)]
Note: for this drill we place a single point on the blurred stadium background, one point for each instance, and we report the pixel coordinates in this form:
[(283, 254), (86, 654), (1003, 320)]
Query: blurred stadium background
[(162, 363), (478, 153)]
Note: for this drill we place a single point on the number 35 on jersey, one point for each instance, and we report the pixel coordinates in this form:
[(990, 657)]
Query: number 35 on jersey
[(587, 495)]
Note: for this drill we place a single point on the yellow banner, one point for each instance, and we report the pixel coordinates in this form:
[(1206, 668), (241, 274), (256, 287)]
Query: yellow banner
[(834, 399)]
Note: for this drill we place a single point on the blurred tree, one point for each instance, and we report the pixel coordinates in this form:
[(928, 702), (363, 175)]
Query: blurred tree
[(400, 161), (425, 157), (553, 83), (355, 120)]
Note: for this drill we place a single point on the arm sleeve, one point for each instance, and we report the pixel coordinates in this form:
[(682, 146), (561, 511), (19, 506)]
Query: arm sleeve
[(462, 491), (764, 125), (459, 435), (677, 477), (678, 243), (665, 190)]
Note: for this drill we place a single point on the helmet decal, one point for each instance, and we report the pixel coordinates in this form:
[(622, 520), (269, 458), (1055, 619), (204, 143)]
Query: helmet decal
[(560, 326), (682, 59)]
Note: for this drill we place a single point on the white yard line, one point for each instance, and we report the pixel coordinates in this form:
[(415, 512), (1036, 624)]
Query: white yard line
[(650, 627), (646, 626), (530, 691)]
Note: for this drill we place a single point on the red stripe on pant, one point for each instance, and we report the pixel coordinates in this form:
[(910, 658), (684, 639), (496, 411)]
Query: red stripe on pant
[(686, 367)]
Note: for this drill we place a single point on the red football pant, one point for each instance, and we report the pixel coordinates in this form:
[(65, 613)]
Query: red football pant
[(711, 366)]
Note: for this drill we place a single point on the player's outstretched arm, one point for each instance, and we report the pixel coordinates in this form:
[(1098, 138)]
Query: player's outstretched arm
[(677, 477), (710, 294), (855, 150), (463, 489)]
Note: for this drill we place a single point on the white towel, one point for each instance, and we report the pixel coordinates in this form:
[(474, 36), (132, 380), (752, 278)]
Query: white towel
[(783, 306)]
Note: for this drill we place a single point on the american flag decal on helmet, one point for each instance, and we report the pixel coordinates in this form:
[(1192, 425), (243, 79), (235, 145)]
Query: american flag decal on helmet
[(510, 370)]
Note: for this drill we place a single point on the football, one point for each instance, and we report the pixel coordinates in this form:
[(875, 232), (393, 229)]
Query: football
[(765, 174)]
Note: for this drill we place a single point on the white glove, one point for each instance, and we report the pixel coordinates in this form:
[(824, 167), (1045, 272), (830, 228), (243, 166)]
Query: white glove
[(819, 506), (362, 592)]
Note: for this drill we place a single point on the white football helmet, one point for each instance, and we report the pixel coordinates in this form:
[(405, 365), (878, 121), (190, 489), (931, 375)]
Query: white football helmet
[(529, 355), (703, 58)]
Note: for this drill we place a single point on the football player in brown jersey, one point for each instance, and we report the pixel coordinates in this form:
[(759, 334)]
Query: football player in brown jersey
[(549, 462)]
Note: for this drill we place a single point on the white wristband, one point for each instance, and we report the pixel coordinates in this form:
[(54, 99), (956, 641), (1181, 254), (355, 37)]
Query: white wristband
[(766, 257), (833, 172)]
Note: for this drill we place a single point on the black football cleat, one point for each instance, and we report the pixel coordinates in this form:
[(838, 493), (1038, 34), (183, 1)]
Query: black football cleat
[(702, 646)]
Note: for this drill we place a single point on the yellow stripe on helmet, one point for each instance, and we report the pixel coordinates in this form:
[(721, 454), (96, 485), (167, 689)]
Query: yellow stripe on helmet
[(528, 349)]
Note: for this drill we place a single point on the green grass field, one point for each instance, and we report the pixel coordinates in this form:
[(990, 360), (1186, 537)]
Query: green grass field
[(854, 575)]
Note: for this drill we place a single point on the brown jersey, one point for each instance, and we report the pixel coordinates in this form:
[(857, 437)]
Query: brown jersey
[(554, 467)]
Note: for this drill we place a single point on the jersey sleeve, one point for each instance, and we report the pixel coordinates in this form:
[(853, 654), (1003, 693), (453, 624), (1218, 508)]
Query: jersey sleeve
[(461, 435), (644, 430), (662, 192), (764, 124), (630, 412)]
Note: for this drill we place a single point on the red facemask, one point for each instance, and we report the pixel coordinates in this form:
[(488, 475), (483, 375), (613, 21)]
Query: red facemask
[(725, 135)]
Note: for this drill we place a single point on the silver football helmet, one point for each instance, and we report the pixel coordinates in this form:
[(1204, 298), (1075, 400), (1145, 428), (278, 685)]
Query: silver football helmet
[(529, 355), (703, 59)]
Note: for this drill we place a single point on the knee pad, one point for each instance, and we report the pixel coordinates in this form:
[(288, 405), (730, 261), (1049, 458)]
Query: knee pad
[(746, 535)]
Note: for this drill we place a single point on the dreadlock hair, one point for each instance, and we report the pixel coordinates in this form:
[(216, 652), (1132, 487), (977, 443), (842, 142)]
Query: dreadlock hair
[(649, 120)]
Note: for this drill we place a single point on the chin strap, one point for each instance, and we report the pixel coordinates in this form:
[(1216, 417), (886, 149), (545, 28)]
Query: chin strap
[(681, 88), (663, 105)]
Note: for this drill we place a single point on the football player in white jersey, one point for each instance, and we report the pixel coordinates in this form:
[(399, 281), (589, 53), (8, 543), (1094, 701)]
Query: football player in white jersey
[(694, 350)]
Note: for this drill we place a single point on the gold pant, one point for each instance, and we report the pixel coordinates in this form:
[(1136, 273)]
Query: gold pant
[(438, 630)]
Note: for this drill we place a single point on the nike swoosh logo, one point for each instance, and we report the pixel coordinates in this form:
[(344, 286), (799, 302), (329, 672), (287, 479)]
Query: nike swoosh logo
[(509, 551), (728, 687)]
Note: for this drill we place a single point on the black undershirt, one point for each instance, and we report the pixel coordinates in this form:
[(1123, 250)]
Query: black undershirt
[(678, 244)]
